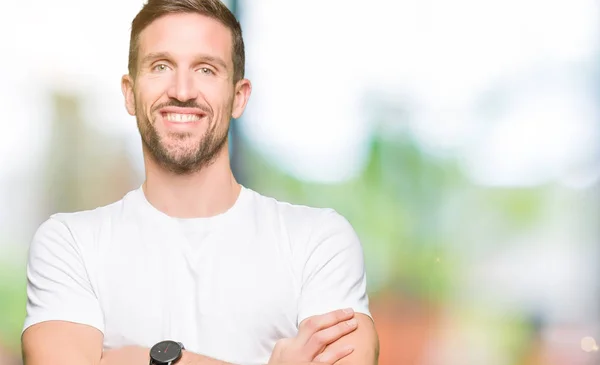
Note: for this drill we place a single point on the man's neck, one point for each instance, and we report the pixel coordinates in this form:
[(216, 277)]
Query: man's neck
[(208, 192)]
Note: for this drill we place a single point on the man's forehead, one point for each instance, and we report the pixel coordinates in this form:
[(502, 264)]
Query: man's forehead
[(186, 34)]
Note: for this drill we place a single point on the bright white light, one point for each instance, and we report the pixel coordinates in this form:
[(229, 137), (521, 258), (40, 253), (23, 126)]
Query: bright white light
[(62, 45), (310, 69), (588, 344), (71, 45), (539, 140), (305, 110), (24, 136)]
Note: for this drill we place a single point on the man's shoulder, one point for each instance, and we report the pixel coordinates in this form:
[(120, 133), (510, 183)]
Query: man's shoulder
[(92, 217), (308, 218), (287, 209)]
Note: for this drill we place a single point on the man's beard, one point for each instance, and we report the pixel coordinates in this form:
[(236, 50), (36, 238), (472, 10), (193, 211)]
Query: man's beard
[(193, 159)]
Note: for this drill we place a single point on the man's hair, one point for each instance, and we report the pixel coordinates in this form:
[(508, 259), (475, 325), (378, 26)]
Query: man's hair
[(214, 9)]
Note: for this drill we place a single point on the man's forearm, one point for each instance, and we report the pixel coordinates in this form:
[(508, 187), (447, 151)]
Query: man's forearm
[(190, 358), (134, 355)]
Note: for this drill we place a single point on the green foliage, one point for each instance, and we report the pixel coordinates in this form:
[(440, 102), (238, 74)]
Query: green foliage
[(13, 298)]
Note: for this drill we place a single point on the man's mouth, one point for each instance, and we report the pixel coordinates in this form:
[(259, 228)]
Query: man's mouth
[(181, 118), (182, 115)]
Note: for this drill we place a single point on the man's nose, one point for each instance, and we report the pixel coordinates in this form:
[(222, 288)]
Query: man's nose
[(183, 87)]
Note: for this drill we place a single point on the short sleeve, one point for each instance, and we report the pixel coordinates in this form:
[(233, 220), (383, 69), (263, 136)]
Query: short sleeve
[(334, 274), (58, 287)]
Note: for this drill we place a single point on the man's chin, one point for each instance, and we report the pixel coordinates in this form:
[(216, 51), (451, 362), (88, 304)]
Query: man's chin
[(181, 160), (181, 166)]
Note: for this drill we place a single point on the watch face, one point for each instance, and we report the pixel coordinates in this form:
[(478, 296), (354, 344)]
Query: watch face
[(165, 351)]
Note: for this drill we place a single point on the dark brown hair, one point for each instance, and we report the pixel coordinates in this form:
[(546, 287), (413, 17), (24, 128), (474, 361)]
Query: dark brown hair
[(215, 9)]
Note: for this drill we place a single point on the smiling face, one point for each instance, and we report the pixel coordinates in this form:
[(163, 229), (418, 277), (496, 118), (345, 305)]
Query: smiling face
[(183, 95)]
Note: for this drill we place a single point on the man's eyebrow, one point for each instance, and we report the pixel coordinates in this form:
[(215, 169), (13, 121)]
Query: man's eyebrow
[(155, 56), (150, 57), (212, 59)]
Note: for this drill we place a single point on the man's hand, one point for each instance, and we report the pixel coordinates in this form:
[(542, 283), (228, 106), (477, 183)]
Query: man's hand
[(314, 335)]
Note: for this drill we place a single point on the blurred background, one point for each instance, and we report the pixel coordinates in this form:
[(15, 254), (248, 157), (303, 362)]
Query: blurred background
[(460, 138)]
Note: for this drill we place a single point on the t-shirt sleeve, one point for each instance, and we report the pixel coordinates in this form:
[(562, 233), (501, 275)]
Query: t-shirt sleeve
[(58, 287), (334, 274)]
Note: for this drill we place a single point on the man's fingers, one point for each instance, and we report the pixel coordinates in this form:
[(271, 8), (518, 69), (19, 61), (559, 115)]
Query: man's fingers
[(312, 325), (325, 337), (333, 356)]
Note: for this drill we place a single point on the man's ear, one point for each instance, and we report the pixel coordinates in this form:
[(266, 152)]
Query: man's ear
[(243, 89), (127, 89)]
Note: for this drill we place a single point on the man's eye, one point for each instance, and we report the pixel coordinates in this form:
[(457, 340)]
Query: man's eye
[(160, 67), (206, 71)]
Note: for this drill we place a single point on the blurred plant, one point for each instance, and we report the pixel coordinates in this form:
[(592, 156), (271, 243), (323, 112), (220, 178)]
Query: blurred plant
[(12, 303)]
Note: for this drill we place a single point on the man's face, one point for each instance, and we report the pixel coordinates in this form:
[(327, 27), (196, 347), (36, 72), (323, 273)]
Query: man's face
[(183, 94)]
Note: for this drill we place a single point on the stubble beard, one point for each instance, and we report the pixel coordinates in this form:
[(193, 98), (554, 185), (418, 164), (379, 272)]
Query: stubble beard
[(192, 159)]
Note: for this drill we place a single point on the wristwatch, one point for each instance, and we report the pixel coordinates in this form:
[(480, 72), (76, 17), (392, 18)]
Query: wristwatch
[(166, 352)]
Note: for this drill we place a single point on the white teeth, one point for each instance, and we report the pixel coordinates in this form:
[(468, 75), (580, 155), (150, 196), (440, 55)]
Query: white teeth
[(182, 118)]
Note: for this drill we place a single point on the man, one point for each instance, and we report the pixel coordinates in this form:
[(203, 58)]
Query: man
[(192, 267)]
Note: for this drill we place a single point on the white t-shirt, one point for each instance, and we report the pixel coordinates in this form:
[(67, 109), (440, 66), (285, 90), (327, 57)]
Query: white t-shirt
[(227, 286)]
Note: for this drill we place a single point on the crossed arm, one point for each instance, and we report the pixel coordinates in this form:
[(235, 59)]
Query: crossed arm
[(363, 340), (332, 338)]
